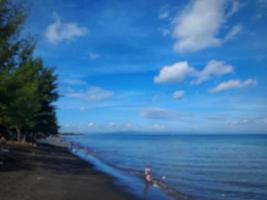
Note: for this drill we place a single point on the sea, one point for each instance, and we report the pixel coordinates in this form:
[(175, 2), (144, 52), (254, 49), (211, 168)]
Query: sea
[(201, 166)]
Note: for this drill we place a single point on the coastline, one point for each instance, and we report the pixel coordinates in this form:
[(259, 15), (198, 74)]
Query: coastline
[(50, 171), (131, 181)]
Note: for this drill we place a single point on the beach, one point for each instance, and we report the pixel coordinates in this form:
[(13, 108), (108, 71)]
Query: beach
[(51, 172), (110, 167)]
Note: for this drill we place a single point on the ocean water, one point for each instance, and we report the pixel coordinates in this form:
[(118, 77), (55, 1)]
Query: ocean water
[(204, 167)]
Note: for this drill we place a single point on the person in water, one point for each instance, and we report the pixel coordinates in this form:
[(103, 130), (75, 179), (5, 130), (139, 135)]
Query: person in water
[(147, 175)]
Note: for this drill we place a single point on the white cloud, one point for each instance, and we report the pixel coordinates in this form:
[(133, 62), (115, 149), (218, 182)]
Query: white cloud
[(93, 56), (164, 15), (91, 94), (248, 122), (165, 12), (198, 26), (178, 94), (234, 8), (74, 82), (158, 127), (82, 108), (59, 31), (159, 114), (112, 124), (181, 70), (91, 125), (262, 3), (258, 16), (233, 84), (212, 69), (174, 73), (165, 32), (79, 127), (233, 32)]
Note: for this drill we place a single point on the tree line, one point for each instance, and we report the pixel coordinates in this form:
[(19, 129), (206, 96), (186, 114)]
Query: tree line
[(28, 89)]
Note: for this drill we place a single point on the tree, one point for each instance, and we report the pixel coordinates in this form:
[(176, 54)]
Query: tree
[(27, 88), (24, 104), (12, 17), (46, 119)]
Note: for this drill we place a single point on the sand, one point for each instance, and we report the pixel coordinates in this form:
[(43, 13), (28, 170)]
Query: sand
[(52, 173)]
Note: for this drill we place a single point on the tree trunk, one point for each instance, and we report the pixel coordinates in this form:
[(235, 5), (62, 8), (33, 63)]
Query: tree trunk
[(2, 139), (9, 133), (23, 140), (18, 133), (34, 137)]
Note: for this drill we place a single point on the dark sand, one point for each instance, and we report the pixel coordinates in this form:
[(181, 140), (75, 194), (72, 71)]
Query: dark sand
[(52, 173)]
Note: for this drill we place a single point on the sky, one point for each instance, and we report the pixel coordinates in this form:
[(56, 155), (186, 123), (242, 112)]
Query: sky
[(156, 65)]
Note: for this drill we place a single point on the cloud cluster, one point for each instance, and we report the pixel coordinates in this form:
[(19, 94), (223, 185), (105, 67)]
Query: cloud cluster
[(91, 94), (181, 70), (214, 68), (159, 114), (76, 82), (174, 73), (179, 94), (233, 32), (198, 26), (164, 15), (93, 56), (233, 84), (234, 8), (262, 3), (59, 31)]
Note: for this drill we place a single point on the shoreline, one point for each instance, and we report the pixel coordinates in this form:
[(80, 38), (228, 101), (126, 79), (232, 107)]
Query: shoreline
[(52, 172), (105, 182), (131, 182)]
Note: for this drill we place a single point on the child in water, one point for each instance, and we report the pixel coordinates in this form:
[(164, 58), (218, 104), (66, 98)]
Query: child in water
[(147, 175), (149, 179)]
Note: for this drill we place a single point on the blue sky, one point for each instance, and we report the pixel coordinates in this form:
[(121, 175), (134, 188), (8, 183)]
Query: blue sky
[(156, 66)]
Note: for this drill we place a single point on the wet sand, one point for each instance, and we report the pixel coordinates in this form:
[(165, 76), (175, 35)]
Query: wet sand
[(52, 173)]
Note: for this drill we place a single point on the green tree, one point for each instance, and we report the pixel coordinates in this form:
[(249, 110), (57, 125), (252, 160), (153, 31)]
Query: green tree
[(28, 89), (46, 120), (24, 101), (12, 17)]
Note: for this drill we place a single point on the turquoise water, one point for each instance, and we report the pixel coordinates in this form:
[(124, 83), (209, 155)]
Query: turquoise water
[(202, 166)]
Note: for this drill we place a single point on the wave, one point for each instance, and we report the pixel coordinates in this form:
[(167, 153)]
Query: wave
[(125, 177), (216, 168)]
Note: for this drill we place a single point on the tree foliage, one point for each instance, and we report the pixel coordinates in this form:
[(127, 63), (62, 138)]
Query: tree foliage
[(28, 89)]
